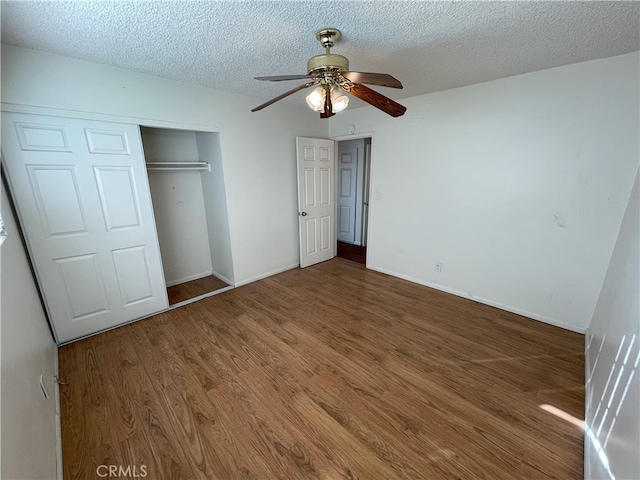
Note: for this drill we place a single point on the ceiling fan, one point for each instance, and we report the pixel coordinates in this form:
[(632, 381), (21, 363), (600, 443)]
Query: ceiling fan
[(331, 73)]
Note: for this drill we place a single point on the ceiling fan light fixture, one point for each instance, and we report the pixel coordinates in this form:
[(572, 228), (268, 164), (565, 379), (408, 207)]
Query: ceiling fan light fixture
[(315, 100), (339, 100)]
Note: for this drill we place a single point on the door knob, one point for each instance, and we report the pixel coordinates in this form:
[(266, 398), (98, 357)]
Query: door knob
[(304, 214)]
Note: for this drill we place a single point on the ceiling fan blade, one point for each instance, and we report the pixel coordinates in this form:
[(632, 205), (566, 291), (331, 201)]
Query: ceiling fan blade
[(280, 78), (377, 100), (285, 94), (381, 79)]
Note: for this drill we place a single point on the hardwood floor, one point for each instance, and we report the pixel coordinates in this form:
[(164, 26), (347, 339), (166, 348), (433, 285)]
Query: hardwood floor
[(352, 252), (329, 372), (194, 288)]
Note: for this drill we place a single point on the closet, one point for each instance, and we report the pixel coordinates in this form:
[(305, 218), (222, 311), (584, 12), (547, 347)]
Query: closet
[(189, 204), (114, 214)]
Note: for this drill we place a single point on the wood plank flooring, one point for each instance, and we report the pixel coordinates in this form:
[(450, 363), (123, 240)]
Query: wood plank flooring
[(329, 372), (352, 252), (194, 288)]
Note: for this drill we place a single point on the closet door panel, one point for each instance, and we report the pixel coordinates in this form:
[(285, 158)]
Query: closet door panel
[(118, 197), (134, 277), (55, 189), (44, 138), (83, 201), (83, 286), (112, 142)]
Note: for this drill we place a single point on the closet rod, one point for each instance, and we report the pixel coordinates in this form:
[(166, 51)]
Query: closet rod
[(165, 166)]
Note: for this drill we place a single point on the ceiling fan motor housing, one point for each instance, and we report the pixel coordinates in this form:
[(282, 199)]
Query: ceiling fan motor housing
[(327, 61)]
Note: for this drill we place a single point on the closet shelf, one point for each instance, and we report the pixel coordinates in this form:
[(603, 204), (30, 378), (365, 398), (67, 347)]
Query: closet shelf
[(172, 166)]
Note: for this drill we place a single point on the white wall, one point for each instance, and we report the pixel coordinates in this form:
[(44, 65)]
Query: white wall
[(518, 186), (217, 212), (178, 205), (258, 149), (28, 351), (612, 391)]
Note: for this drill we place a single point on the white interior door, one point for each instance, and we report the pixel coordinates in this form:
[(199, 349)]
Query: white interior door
[(347, 191), (83, 200), (351, 191), (316, 207)]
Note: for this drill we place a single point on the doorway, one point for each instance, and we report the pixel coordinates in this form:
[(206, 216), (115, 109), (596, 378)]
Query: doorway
[(352, 191)]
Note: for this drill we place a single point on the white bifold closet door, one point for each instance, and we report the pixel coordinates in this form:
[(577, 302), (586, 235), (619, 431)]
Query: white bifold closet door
[(83, 200)]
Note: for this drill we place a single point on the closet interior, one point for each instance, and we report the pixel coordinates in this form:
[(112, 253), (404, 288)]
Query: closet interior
[(189, 203)]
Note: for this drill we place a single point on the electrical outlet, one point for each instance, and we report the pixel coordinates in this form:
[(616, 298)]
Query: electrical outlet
[(437, 267)]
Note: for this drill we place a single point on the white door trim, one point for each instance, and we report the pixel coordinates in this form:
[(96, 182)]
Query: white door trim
[(355, 136), (105, 117)]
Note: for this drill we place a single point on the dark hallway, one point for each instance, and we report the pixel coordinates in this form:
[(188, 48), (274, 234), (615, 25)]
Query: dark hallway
[(352, 252)]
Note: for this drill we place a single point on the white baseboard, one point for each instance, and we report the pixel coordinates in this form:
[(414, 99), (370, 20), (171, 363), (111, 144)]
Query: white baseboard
[(223, 278), (189, 278), (524, 313), (268, 274)]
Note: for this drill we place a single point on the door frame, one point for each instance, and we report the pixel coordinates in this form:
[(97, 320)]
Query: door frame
[(356, 136)]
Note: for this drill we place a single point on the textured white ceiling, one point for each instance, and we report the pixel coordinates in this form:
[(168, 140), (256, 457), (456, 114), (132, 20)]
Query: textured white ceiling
[(428, 46)]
